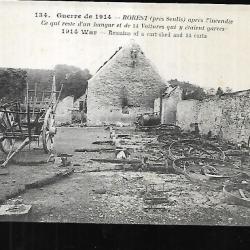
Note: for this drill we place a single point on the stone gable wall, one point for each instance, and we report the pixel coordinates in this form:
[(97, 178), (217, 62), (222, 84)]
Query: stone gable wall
[(140, 84)]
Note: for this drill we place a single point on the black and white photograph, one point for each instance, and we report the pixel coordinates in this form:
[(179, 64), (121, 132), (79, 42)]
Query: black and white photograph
[(125, 113)]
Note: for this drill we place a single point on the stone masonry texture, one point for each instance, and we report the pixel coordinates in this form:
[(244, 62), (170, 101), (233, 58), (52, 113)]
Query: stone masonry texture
[(169, 106), (64, 110), (128, 77), (229, 114)]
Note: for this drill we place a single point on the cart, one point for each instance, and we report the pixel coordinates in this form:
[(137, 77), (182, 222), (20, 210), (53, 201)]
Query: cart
[(32, 120)]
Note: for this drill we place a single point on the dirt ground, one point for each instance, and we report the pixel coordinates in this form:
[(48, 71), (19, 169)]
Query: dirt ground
[(29, 166), (107, 195)]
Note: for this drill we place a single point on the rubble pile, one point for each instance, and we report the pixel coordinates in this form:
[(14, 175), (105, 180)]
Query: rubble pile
[(166, 149), (195, 148)]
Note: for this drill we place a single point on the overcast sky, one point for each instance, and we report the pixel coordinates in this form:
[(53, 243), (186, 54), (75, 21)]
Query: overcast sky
[(222, 59)]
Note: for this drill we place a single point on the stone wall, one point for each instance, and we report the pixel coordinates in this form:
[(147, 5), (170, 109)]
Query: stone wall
[(114, 116), (157, 105), (79, 110), (169, 106), (186, 114), (129, 79), (228, 114), (64, 110), (82, 99)]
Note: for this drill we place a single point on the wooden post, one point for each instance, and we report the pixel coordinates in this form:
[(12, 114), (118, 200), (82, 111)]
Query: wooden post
[(161, 108), (42, 97), (27, 96), (53, 91), (28, 122), (11, 154), (59, 95), (34, 102)]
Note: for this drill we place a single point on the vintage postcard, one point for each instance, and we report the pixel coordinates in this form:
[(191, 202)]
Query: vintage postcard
[(131, 113)]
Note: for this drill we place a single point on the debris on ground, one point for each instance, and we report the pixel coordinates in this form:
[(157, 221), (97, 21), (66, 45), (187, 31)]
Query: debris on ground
[(62, 160), (237, 194), (161, 173), (94, 149), (156, 197), (165, 149), (100, 191), (15, 210)]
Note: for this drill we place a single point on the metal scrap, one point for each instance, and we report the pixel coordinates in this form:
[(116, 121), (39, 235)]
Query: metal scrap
[(237, 194), (155, 197), (195, 148), (94, 149), (117, 161), (205, 170), (109, 142)]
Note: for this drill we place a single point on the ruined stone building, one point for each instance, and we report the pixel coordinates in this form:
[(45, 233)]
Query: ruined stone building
[(227, 115), (166, 105), (125, 86)]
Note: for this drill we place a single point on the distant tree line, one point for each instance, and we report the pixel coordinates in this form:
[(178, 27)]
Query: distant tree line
[(192, 91), (74, 80), (219, 91), (75, 83), (40, 77), (13, 82)]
